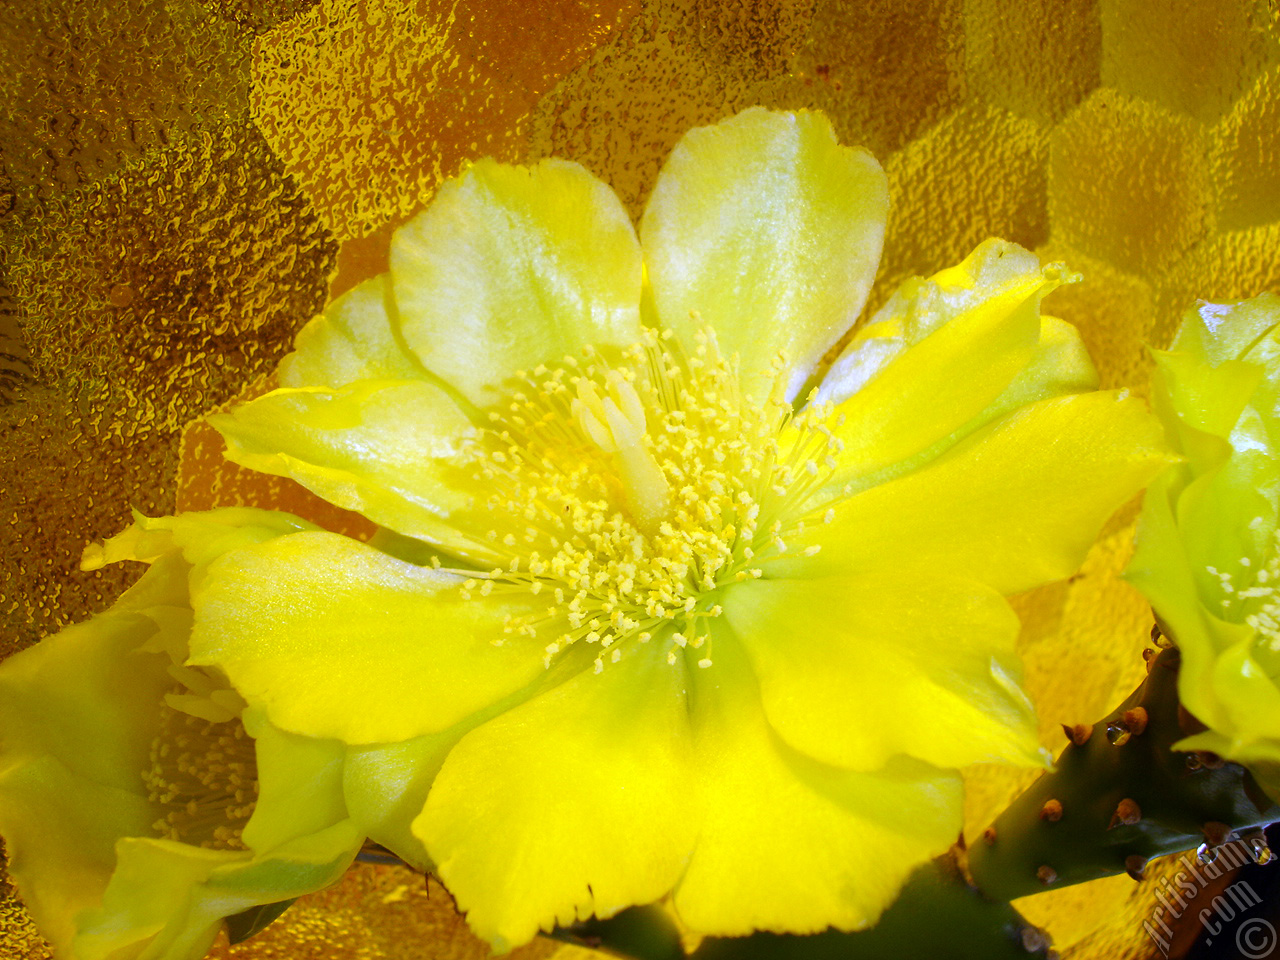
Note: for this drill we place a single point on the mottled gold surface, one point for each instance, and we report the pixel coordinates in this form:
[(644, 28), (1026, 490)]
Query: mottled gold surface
[(177, 174), (379, 913), (1037, 59), (978, 172), (258, 15), (1131, 182), (96, 85), (18, 936), (141, 299), (371, 103)]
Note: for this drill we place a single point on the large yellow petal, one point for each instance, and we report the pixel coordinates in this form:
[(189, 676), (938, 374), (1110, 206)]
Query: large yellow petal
[(356, 338), (575, 803), (1014, 505), (510, 267), (1060, 365), (771, 232), (920, 306), (390, 450), (981, 329), (789, 844), (854, 670), (386, 784), (335, 639)]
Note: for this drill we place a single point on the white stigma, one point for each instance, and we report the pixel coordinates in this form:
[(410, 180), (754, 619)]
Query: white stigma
[(616, 424)]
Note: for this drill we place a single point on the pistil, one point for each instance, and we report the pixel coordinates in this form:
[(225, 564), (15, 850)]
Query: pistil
[(616, 424)]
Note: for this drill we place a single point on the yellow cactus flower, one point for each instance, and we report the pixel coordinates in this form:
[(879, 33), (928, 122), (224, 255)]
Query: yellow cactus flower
[(140, 802), (1207, 555), (670, 606)]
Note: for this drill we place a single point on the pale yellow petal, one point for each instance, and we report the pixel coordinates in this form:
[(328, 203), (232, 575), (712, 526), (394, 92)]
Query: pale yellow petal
[(920, 306), (390, 450), (77, 719), (574, 804), (167, 900), (511, 267), (299, 785), (356, 338), (60, 831), (967, 341), (789, 844), (332, 638), (770, 232), (854, 670), (1014, 505), (1060, 365), (386, 785)]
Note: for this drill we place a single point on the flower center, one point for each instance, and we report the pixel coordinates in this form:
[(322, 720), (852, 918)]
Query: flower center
[(204, 772), (629, 491)]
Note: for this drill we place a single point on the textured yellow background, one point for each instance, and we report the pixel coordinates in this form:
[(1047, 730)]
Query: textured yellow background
[(184, 183)]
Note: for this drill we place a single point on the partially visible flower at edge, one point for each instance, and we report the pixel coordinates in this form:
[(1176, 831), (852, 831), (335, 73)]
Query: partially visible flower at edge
[(1207, 554), (672, 614), (140, 801)]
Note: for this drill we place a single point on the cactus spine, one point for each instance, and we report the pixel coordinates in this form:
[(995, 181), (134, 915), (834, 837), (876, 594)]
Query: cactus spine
[(1120, 796)]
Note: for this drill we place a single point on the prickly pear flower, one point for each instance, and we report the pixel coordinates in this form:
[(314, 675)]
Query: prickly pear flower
[(140, 801), (663, 610), (1207, 555)]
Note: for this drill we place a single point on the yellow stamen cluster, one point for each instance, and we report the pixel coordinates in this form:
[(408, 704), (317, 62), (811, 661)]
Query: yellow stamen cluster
[(629, 490), (203, 775), (1263, 617)]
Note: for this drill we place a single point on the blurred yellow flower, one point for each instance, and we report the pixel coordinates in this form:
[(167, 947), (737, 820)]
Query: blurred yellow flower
[(668, 605), (1207, 555), (140, 802)]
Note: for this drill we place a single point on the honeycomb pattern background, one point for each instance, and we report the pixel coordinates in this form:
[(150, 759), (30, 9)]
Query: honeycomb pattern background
[(183, 183)]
